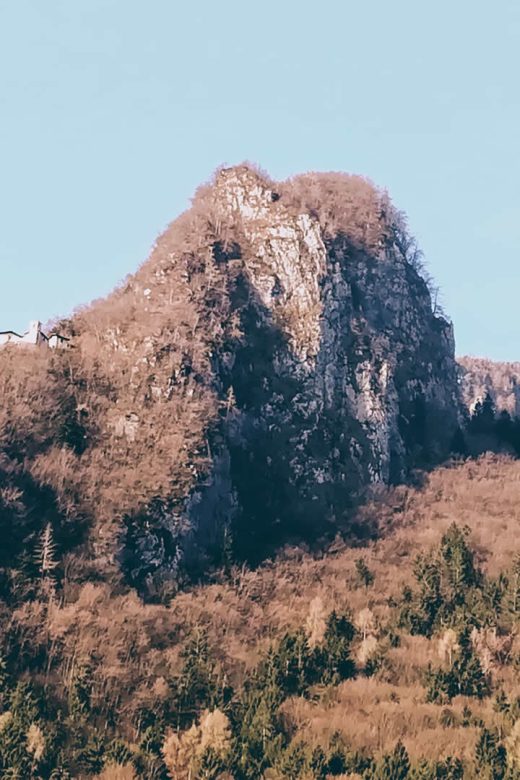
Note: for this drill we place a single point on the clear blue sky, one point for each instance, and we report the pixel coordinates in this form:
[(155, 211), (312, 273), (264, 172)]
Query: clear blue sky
[(113, 111)]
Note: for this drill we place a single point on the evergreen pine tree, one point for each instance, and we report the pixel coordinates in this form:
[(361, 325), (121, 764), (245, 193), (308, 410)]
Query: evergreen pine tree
[(292, 761), (259, 737), (429, 601), (441, 685), (458, 560), (394, 765), (80, 692), (451, 769), (198, 686), (318, 764), (15, 759), (483, 417), (501, 703), (467, 670), (5, 683), (490, 756), (334, 655), (364, 576), (337, 755), (294, 663), (90, 757), (209, 765), (513, 592), (425, 770)]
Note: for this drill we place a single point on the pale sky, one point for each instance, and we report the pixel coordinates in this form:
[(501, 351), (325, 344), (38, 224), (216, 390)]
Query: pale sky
[(113, 111)]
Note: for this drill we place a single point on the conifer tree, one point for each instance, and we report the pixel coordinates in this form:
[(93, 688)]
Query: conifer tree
[(419, 611), (5, 683), (291, 762), (467, 671), (335, 657), (425, 770), (364, 575), (458, 560), (90, 757), (294, 662), (80, 692), (198, 685), (483, 417), (513, 592), (490, 756), (15, 758), (394, 765), (501, 703), (337, 755), (451, 769)]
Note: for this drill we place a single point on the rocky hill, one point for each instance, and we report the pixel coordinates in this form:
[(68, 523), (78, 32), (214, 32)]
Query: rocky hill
[(261, 384), (277, 353)]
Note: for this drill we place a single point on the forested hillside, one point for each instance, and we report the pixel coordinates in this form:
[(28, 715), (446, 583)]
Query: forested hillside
[(398, 657)]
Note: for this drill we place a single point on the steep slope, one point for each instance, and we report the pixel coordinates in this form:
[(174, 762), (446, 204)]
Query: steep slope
[(276, 354)]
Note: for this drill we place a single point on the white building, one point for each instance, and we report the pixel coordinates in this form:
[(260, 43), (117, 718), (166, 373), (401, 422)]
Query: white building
[(34, 337)]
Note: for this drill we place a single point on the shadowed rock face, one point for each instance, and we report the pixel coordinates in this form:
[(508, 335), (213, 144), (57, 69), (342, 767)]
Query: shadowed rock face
[(343, 375), (278, 367)]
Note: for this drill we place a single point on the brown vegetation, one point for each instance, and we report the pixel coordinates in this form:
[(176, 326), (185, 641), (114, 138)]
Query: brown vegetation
[(134, 648)]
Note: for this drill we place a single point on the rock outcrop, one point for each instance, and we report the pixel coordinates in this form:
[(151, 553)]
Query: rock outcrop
[(339, 373), (344, 375), (276, 354)]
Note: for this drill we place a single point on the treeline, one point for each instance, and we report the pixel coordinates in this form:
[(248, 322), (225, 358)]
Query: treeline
[(489, 428)]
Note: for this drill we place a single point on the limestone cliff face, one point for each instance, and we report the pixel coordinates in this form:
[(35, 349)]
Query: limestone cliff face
[(343, 376), (307, 355)]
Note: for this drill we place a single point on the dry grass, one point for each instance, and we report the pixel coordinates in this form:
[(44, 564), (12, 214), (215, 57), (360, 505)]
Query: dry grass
[(374, 715)]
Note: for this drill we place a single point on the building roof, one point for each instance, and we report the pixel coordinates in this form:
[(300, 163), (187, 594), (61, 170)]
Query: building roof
[(58, 336), (46, 336)]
